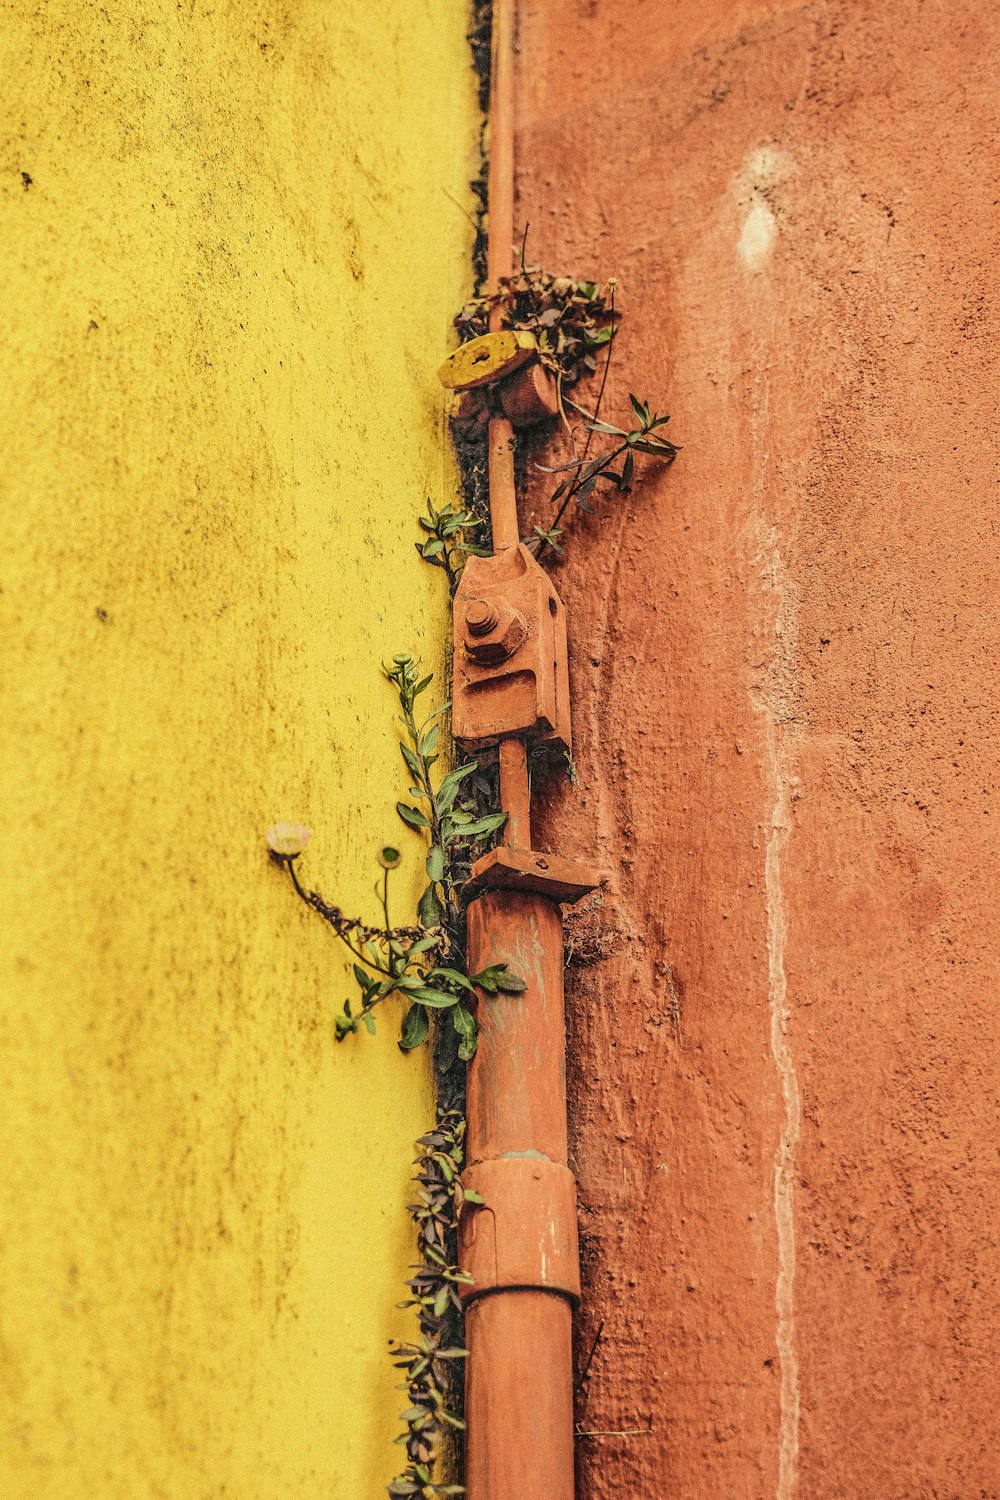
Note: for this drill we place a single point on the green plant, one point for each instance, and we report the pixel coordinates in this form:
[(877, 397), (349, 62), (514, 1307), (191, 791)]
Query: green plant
[(585, 473), (571, 319), (427, 1363), (447, 545), (422, 964)]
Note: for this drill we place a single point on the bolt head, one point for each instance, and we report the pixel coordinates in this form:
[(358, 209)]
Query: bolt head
[(493, 631), (480, 617)]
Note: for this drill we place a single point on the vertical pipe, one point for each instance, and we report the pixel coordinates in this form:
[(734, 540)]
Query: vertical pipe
[(520, 1245), (520, 1422), (515, 793), (519, 1387), (500, 258)]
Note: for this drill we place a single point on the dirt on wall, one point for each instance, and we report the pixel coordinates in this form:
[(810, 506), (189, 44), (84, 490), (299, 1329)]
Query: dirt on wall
[(783, 1017)]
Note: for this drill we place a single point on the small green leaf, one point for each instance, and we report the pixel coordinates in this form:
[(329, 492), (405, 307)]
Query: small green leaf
[(435, 862), (436, 999), (454, 976), (369, 1021), (411, 816), (412, 763), (480, 826), (476, 1199), (415, 1028), (429, 740), (499, 977), (457, 776), (429, 912), (464, 1023)]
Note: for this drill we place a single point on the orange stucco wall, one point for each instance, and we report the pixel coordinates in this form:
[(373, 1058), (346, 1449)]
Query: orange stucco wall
[(783, 660)]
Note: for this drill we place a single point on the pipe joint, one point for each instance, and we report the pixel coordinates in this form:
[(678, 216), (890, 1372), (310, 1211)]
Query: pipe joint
[(524, 1233)]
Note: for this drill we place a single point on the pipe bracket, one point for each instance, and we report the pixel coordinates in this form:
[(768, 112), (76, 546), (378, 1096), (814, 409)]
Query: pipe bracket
[(524, 1233), (511, 663), (552, 875)]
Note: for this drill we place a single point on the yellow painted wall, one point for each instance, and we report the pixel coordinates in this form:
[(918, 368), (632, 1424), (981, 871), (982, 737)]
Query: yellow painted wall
[(229, 263)]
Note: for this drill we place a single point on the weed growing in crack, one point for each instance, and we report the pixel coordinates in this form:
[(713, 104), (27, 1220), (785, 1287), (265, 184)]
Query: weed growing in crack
[(448, 545), (429, 1362), (584, 473), (422, 964)]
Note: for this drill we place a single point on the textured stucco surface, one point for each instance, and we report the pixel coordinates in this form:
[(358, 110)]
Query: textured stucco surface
[(230, 260), (783, 660)]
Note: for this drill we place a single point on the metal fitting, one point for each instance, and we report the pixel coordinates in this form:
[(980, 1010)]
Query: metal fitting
[(524, 1234), (529, 396), (511, 673), (493, 631)]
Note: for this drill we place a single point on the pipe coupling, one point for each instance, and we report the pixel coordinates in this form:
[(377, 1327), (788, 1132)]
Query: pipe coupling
[(524, 1232)]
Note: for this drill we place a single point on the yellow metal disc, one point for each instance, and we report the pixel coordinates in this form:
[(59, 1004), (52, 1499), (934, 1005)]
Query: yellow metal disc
[(488, 358)]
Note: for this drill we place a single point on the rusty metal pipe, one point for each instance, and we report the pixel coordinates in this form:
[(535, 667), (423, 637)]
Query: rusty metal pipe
[(515, 793), (500, 257), (520, 1244)]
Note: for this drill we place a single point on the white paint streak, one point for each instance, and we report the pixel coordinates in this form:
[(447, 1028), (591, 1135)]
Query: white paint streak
[(784, 1159), (774, 695), (758, 186), (762, 187), (758, 236)]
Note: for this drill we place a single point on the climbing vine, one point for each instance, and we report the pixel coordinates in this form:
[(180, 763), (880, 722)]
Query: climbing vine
[(422, 964), (428, 1362)]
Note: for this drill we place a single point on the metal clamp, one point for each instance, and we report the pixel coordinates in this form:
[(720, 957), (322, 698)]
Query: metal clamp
[(511, 667), (524, 1233)]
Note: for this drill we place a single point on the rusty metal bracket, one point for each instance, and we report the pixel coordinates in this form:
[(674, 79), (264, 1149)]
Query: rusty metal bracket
[(505, 869), (511, 665)]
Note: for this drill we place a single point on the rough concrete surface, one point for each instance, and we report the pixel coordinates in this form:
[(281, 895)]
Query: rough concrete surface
[(783, 1017)]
